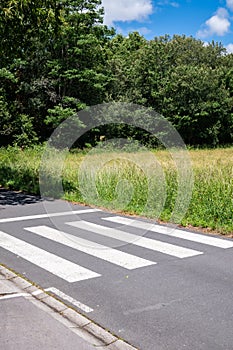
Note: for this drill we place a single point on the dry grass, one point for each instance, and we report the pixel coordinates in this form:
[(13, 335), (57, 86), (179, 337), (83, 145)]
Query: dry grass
[(143, 183)]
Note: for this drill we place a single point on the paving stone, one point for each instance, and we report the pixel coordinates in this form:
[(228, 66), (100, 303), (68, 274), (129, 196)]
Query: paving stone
[(118, 345), (54, 304), (21, 283), (7, 287), (100, 333), (76, 318)]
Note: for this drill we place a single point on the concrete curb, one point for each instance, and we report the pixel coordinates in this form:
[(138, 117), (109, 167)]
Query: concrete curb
[(84, 327)]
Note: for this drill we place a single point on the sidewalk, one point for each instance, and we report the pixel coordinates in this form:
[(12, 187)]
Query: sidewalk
[(32, 319)]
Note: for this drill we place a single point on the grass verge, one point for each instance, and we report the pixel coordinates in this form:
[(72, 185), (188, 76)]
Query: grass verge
[(130, 183)]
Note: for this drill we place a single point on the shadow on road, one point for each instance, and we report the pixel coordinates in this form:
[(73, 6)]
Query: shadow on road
[(17, 198)]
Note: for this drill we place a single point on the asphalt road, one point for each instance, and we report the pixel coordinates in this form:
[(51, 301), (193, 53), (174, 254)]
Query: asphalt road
[(156, 288)]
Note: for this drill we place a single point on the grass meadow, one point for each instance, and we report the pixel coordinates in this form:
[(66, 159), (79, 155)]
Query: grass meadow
[(141, 183)]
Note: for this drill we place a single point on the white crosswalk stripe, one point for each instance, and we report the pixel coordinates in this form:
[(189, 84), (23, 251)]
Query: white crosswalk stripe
[(73, 272), (60, 267), (48, 215), (169, 231), (155, 245), (113, 256)]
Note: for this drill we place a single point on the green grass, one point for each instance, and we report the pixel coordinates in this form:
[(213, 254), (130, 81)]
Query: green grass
[(130, 182), (19, 170)]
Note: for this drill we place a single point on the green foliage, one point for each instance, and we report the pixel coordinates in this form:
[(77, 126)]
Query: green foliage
[(59, 114), (26, 136), (121, 184), (193, 101), (49, 52), (57, 58), (181, 78), (5, 117), (19, 169)]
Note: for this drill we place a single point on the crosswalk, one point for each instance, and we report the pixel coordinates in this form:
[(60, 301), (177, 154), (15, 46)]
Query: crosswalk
[(113, 256), (74, 271), (56, 265), (166, 248), (166, 230)]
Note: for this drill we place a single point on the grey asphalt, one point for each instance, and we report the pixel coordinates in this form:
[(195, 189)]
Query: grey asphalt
[(26, 324), (176, 304)]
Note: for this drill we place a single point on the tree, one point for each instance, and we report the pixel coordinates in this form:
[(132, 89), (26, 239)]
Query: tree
[(57, 57), (180, 78), (54, 49), (197, 103)]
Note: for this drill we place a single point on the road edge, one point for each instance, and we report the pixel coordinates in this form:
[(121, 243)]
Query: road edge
[(87, 329)]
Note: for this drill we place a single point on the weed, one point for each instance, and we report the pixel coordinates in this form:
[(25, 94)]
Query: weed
[(130, 182)]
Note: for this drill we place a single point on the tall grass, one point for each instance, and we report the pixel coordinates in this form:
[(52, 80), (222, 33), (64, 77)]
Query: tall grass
[(130, 182), (212, 199), (19, 169)]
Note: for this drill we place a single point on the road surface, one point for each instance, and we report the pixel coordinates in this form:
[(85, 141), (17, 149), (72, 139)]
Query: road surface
[(156, 287)]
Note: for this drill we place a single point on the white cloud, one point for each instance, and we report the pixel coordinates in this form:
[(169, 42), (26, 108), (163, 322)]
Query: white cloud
[(126, 10), (168, 2), (229, 48), (218, 24), (230, 4), (174, 4)]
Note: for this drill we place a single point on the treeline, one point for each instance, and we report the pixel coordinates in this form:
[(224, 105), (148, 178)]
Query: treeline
[(57, 57)]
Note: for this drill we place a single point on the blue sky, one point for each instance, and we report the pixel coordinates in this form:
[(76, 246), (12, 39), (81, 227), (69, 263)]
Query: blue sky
[(203, 19)]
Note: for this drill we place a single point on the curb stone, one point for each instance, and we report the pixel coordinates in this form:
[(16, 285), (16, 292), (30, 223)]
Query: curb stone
[(84, 327)]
